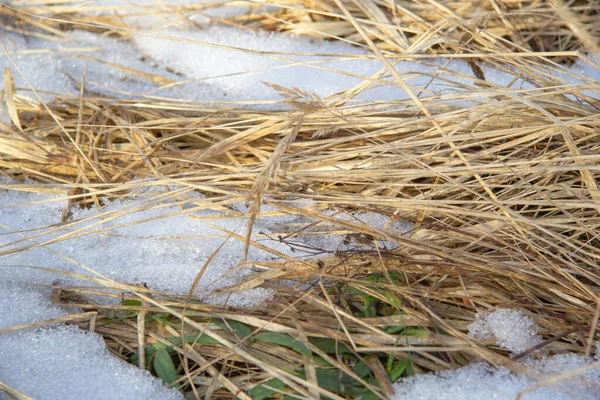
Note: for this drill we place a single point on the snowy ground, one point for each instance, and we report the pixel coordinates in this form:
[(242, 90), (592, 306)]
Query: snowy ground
[(217, 64)]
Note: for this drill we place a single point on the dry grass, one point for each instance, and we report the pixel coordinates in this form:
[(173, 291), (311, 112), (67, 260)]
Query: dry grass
[(503, 195)]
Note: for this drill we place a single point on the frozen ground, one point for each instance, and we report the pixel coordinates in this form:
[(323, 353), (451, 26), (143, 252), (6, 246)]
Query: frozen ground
[(217, 64)]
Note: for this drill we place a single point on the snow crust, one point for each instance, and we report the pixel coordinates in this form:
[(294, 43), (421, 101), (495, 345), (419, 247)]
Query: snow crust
[(61, 362), (23, 305)]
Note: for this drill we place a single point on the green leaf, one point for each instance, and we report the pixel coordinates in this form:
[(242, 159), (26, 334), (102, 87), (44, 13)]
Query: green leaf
[(370, 304), (149, 351), (239, 329), (333, 380), (131, 303), (159, 346), (393, 300), (283, 339), (164, 367), (418, 332), (176, 341), (264, 391), (375, 277), (398, 369), (394, 329), (390, 363), (163, 319), (368, 395), (355, 292), (354, 392), (361, 369), (329, 346), (194, 338), (329, 379)]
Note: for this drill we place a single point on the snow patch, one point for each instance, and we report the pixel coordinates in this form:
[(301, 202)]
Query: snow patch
[(511, 329), (479, 381), (68, 363)]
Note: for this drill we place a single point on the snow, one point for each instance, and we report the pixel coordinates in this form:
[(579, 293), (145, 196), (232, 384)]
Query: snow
[(226, 64), (511, 329), (145, 240), (32, 305), (67, 363), (64, 361), (169, 58), (331, 237), (480, 381), (159, 236), (129, 241)]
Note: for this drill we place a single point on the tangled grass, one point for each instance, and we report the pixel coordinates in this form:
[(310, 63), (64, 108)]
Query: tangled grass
[(503, 195)]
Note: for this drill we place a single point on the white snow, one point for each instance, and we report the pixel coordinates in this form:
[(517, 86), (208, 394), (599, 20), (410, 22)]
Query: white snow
[(227, 64), (32, 306), (137, 241), (68, 363), (332, 237), (62, 362), (480, 381), (160, 236), (511, 329), (164, 253)]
